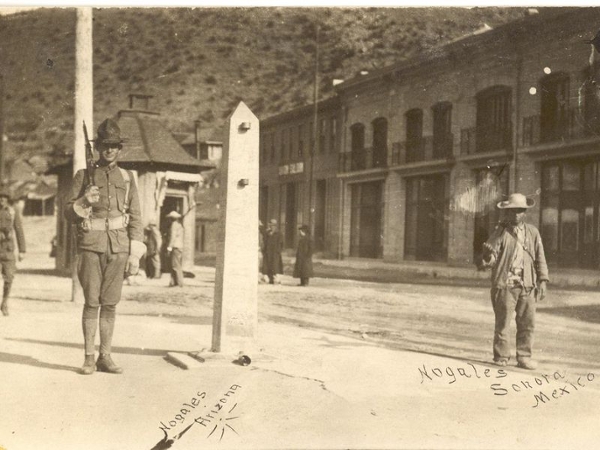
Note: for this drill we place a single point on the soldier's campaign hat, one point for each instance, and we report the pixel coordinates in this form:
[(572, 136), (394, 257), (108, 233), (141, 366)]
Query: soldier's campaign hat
[(174, 215), (515, 201), (109, 133), (304, 228), (273, 222)]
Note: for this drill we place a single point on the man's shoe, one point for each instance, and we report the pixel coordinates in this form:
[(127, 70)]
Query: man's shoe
[(89, 365), (106, 364), (501, 362), (4, 308), (527, 364)]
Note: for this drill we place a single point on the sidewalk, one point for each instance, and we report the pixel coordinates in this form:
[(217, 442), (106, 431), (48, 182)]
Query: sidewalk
[(305, 389), (435, 273)]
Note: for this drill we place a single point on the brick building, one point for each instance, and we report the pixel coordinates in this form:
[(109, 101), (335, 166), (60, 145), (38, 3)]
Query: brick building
[(411, 159)]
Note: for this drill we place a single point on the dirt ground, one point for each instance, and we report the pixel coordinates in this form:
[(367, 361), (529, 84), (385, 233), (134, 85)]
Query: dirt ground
[(454, 321)]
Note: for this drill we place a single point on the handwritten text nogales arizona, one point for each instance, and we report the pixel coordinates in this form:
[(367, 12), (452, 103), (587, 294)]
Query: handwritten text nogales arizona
[(450, 374)]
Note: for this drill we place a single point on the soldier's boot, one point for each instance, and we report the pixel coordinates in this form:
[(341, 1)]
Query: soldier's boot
[(5, 295), (106, 364), (89, 365), (89, 325)]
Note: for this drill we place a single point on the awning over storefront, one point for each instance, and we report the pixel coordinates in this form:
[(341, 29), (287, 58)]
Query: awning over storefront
[(183, 176)]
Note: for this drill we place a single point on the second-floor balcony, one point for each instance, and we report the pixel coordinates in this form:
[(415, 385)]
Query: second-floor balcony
[(363, 159), (572, 125), (485, 139)]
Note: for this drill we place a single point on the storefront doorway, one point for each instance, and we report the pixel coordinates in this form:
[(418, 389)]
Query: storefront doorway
[(426, 232), (365, 220)]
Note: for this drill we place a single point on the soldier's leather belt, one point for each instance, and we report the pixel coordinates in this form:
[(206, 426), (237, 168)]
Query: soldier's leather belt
[(114, 223)]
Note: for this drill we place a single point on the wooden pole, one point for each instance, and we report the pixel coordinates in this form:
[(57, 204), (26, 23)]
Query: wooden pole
[(1, 129), (314, 137), (84, 111)]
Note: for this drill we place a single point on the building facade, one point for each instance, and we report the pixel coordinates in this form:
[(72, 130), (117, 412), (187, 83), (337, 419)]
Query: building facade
[(424, 149)]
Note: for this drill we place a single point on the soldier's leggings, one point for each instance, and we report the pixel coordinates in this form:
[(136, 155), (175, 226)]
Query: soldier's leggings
[(90, 324)]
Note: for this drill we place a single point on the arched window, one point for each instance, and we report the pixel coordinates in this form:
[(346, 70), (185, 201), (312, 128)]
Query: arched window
[(554, 107), (414, 135), (380, 134), (442, 130), (357, 132), (494, 127)]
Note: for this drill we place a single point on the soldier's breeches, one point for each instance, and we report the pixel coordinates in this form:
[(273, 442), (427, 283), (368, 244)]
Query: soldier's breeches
[(101, 276)]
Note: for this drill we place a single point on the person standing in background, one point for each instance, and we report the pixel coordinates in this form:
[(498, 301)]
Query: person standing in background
[(272, 263), (153, 244), (303, 268), (11, 226), (175, 249), (261, 249)]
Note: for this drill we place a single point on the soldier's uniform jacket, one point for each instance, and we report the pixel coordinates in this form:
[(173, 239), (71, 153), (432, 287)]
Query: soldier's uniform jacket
[(11, 226), (116, 219)]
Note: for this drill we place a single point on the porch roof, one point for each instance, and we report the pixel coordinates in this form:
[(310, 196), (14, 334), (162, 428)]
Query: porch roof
[(147, 140)]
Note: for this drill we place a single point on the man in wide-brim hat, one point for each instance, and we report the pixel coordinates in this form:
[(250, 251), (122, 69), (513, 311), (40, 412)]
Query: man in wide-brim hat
[(515, 253), (175, 248)]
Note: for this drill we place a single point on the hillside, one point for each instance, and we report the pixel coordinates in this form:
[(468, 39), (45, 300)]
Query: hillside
[(200, 62)]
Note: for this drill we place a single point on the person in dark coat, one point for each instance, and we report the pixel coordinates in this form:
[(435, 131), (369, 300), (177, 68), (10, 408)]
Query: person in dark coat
[(153, 241), (272, 261), (261, 250), (303, 267)]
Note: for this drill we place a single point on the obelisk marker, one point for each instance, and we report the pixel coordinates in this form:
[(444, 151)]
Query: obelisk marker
[(236, 283)]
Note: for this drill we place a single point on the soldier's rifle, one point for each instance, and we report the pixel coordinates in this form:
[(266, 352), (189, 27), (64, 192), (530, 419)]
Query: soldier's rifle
[(90, 164)]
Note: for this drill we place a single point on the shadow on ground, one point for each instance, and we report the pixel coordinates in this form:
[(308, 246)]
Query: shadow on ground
[(176, 318), (585, 313), (43, 271), (29, 361), (124, 350)]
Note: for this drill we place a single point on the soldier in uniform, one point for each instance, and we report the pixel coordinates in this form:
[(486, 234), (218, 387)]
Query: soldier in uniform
[(110, 242), (10, 227)]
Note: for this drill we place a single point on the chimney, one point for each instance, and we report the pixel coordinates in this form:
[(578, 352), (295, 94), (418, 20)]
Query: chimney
[(140, 101)]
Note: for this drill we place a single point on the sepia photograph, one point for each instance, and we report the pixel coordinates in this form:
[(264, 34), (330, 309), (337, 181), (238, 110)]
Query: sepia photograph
[(299, 226)]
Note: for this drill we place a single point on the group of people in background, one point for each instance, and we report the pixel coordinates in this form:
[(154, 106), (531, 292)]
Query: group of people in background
[(270, 261)]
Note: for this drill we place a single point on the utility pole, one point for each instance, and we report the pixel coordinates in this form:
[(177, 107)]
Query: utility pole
[(84, 111), (314, 137), (1, 129)]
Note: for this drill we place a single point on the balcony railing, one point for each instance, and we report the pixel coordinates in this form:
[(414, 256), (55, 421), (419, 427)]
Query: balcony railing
[(443, 146), (362, 160), (573, 126), (485, 139)]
